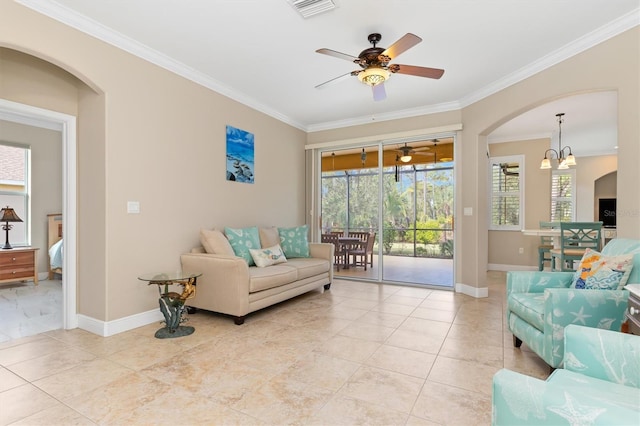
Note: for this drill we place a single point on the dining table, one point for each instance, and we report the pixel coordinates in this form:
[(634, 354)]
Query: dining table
[(545, 232), (346, 245)]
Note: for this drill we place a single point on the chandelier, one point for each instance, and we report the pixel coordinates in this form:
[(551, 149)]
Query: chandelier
[(563, 162)]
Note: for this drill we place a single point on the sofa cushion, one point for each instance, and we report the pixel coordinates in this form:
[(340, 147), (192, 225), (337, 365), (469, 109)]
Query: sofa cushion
[(268, 256), (599, 272), (269, 237), (273, 276), (243, 239), (309, 266), (214, 242), (294, 241), (529, 307)]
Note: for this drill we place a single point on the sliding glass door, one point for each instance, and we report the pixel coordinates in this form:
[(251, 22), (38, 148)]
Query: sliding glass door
[(402, 195)]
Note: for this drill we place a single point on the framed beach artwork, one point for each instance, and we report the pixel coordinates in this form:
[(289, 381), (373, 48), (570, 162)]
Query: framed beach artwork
[(240, 155)]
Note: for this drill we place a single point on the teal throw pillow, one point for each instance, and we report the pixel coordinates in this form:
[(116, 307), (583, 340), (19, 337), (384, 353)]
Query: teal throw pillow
[(242, 240), (294, 241)]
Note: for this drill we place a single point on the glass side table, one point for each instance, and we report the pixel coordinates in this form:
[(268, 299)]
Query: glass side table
[(172, 303)]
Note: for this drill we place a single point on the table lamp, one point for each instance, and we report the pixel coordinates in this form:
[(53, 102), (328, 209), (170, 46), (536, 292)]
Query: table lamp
[(7, 215)]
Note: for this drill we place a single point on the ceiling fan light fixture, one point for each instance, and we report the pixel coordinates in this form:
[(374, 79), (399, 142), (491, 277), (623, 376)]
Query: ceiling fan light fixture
[(405, 158), (374, 76)]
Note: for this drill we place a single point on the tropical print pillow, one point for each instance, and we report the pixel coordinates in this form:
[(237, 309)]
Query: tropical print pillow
[(242, 240), (600, 272), (294, 241)]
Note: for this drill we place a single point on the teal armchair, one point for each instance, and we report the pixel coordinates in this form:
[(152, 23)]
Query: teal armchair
[(540, 305), (599, 385)]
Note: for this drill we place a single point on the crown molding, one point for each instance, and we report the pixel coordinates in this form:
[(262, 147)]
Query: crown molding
[(527, 137), (604, 33), (393, 115), (93, 28), (81, 23)]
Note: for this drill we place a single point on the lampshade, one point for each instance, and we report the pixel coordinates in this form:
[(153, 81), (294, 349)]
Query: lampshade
[(9, 215), (405, 158), (373, 76), (570, 160), (545, 164)]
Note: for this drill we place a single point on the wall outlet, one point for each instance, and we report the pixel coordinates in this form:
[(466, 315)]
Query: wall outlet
[(521, 250)]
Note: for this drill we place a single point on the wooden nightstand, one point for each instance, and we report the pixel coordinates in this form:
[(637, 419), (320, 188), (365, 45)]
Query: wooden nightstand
[(18, 264), (633, 311)]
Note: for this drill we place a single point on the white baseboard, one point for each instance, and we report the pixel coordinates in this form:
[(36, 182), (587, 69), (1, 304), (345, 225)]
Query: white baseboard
[(506, 268), (105, 329), (477, 292)]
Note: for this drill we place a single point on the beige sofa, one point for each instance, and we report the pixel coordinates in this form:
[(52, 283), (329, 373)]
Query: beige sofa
[(230, 286)]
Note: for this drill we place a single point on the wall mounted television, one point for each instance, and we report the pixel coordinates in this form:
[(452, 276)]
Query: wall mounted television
[(607, 212)]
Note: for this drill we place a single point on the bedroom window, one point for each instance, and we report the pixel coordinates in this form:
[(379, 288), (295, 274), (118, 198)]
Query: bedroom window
[(14, 188), (506, 184)]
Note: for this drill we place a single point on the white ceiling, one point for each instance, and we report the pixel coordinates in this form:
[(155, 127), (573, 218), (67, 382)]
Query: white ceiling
[(262, 52)]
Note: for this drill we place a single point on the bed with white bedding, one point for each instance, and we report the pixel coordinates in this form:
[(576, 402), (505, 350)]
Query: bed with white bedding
[(55, 243)]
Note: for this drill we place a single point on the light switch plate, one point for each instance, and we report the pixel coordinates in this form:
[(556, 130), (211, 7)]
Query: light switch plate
[(468, 211), (133, 207)]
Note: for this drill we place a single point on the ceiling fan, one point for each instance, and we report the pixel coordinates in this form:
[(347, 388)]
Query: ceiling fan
[(374, 62), (406, 152)]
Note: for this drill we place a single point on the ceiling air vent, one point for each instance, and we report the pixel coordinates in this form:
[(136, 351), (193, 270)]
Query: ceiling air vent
[(308, 8)]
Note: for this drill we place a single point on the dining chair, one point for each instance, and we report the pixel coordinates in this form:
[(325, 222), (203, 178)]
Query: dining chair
[(546, 244), (363, 255), (338, 250), (575, 238)]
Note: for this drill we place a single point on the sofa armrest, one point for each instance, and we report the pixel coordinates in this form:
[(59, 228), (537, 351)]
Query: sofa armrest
[(224, 284), (321, 251), (522, 400), (536, 281), (603, 354), (592, 308)]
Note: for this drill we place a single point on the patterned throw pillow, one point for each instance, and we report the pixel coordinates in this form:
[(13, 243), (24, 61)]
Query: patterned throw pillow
[(268, 256), (600, 272), (294, 241), (242, 240)]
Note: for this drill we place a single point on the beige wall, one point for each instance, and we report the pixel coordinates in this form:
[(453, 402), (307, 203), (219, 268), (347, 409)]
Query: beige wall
[(147, 135), (588, 171), (46, 177)]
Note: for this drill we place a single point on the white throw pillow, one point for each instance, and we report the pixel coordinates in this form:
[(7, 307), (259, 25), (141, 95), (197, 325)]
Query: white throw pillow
[(268, 256), (215, 242)]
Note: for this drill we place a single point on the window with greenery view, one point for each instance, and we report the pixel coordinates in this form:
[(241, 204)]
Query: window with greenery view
[(417, 207), (506, 192), (563, 195)]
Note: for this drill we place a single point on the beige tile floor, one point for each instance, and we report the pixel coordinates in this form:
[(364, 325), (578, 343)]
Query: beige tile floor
[(357, 354)]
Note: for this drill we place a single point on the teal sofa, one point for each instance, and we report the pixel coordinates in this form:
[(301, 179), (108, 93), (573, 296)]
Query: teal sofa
[(540, 305), (599, 385)]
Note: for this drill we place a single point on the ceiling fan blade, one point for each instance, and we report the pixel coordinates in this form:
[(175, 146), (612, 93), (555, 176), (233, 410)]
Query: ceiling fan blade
[(379, 92), (334, 80), (405, 43), (336, 54), (422, 148), (417, 71)]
